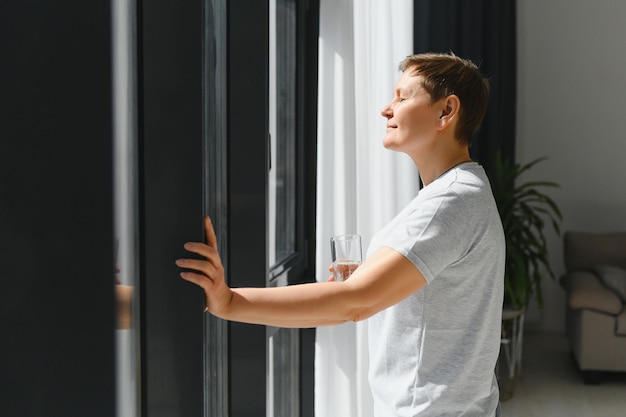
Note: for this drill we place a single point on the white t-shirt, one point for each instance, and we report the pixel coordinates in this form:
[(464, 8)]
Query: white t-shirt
[(434, 353)]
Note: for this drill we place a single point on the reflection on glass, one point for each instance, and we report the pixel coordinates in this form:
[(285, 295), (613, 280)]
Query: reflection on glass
[(126, 267), (283, 383), (282, 175), (283, 377), (215, 337)]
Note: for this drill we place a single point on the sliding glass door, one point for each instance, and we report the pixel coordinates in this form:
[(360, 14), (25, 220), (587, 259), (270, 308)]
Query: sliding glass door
[(220, 121)]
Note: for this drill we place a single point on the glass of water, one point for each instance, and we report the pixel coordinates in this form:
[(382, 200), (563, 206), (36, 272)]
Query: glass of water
[(346, 255)]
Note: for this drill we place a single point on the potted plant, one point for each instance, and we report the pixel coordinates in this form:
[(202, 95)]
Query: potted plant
[(525, 212)]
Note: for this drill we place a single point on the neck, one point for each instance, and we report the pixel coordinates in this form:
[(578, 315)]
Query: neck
[(436, 167)]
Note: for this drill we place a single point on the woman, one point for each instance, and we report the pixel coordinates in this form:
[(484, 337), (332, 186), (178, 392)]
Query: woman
[(432, 283)]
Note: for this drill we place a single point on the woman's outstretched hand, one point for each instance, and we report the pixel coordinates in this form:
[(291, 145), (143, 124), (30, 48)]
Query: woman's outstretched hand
[(208, 272)]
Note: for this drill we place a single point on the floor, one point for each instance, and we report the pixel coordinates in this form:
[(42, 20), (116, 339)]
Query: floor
[(550, 385)]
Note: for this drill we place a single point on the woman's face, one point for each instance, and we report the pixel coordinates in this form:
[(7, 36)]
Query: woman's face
[(411, 116)]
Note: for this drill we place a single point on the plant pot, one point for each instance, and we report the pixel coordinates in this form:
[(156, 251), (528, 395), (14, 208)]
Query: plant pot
[(509, 362)]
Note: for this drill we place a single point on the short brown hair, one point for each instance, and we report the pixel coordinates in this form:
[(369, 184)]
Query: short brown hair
[(447, 74)]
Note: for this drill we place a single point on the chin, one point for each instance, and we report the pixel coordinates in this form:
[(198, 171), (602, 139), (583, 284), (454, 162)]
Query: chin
[(390, 145)]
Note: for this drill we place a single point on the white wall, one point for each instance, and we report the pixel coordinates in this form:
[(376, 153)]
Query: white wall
[(572, 108)]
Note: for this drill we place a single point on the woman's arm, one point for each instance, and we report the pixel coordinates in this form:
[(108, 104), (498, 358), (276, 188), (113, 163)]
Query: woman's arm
[(382, 280)]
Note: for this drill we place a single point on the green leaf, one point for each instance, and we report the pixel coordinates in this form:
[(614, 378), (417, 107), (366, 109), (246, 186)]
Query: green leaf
[(526, 211)]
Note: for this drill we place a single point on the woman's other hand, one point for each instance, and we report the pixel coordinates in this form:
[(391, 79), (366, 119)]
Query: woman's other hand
[(331, 269), (346, 271)]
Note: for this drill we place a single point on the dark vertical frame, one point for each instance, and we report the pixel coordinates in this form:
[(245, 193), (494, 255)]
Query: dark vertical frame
[(308, 44), (307, 84), (248, 25), (171, 204), (57, 354)]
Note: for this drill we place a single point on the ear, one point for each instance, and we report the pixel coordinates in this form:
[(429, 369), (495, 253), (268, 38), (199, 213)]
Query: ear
[(450, 107)]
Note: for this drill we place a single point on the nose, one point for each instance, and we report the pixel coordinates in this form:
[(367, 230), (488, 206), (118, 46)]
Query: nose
[(387, 111)]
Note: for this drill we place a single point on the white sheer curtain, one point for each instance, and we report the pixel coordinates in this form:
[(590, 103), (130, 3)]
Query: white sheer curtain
[(360, 185)]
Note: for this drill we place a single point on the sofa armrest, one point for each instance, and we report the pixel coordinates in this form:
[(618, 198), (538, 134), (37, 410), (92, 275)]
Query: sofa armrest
[(620, 328), (585, 291)]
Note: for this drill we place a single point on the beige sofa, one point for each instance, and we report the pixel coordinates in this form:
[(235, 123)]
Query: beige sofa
[(595, 281)]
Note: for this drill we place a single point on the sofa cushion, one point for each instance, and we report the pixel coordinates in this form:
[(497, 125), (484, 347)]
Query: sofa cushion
[(614, 278), (585, 291)]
